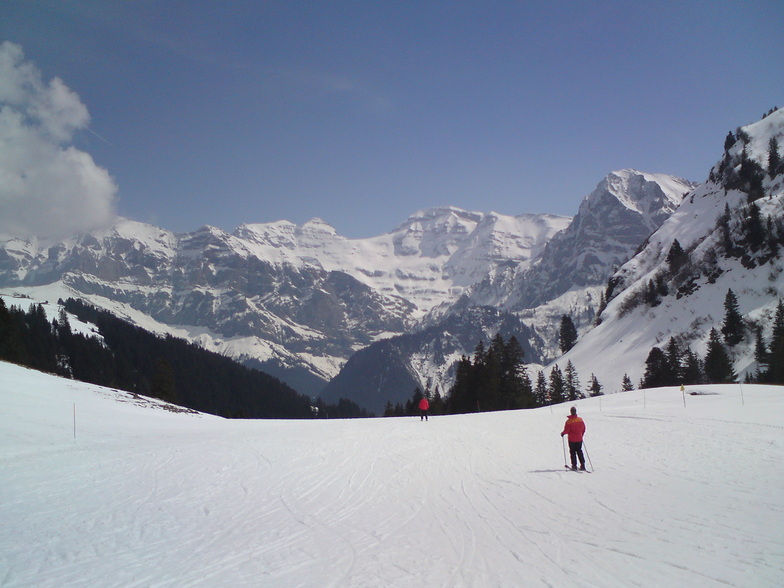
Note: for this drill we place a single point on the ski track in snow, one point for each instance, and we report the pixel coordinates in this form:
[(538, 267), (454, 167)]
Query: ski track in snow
[(145, 497)]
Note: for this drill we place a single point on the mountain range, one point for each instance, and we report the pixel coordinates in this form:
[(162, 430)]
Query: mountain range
[(369, 319)]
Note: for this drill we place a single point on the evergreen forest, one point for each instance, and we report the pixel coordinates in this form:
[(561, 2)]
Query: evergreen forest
[(496, 378), (120, 355), (677, 364)]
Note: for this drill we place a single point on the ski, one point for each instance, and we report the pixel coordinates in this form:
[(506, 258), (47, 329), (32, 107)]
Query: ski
[(578, 471)]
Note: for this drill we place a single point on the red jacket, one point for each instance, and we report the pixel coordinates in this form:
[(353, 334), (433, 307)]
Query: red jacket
[(424, 404), (574, 427)]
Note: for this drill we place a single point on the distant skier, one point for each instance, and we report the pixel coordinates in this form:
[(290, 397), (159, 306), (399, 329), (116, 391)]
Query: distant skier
[(575, 428), (424, 406)]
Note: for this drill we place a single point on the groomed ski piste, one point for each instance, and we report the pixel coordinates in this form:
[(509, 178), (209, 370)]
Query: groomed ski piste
[(102, 488)]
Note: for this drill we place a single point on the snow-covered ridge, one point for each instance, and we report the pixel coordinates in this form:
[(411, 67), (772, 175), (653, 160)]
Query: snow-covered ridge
[(618, 183), (694, 302), (273, 292), (611, 223), (428, 259)]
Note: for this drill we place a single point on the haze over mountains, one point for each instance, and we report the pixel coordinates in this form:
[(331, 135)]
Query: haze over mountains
[(300, 301)]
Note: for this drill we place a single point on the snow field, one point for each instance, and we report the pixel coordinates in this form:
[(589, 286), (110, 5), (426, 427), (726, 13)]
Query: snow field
[(147, 497)]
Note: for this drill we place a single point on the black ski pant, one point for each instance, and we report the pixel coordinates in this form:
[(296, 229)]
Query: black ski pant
[(575, 451)]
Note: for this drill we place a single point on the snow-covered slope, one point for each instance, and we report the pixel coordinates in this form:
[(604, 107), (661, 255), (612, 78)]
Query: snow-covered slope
[(142, 496), (715, 261)]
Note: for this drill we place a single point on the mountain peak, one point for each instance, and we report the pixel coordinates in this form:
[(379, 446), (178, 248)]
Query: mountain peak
[(643, 192)]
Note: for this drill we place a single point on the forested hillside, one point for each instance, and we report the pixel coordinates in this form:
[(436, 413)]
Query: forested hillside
[(123, 356)]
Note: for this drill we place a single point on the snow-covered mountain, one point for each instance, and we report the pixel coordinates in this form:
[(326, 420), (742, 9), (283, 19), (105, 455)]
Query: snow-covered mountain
[(297, 301), (430, 258), (526, 300), (731, 232), (612, 222)]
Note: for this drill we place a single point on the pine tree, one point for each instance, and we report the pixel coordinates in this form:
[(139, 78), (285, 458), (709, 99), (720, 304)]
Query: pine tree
[(718, 367), (729, 141), (437, 404), (626, 383), (571, 382), (732, 328), (692, 369), (760, 352), (774, 159), (656, 369), (516, 389), (41, 344), (777, 333), (462, 396), (674, 368), (595, 388), (11, 344), (754, 229), (676, 257), (775, 372), (487, 379), (541, 394), (63, 323), (567, 334), (557, 388)]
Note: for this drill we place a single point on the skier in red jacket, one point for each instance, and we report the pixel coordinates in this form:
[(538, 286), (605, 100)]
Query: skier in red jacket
[(424, 406), (575, 428)]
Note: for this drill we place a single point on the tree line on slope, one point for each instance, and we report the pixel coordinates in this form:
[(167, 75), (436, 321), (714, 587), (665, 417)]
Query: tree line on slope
[(496, 378), (678, 364), (123, 356)]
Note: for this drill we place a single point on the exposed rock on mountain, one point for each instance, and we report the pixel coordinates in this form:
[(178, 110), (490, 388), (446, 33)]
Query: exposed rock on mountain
[(730, 234), (390, 370), (612, 222), (297, 301), (567, 278)]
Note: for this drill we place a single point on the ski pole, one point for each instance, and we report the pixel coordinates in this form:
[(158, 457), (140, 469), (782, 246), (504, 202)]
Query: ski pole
[(564, 448), (588, 456)]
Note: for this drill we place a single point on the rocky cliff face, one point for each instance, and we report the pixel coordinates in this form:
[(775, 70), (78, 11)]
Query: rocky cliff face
[(612, 222), (299, 301), (521, 299), (295, 300), (730, 234)]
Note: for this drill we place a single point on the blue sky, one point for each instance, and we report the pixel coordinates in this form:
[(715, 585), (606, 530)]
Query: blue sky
[(361, 113)]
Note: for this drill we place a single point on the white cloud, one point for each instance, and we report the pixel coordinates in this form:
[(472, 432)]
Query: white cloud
[(48, 188)]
